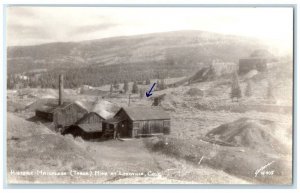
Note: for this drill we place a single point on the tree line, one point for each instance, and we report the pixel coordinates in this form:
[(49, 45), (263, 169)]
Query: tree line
[(97, 76)]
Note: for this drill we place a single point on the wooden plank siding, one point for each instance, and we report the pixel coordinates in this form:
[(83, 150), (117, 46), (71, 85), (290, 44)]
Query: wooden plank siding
[(137, 121), (151, 127), (124, 127), (64, 117), (44, 115)]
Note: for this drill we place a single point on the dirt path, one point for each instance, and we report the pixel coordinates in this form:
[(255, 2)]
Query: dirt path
[(127, 157)]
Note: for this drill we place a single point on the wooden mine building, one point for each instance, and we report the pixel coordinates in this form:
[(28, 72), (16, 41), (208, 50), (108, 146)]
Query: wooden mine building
[(62, 114), (136, 122)]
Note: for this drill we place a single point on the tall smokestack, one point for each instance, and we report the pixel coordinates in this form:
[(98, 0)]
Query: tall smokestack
[(61, 89)]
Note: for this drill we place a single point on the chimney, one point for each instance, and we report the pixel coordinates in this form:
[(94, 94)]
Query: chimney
[(61, 89)]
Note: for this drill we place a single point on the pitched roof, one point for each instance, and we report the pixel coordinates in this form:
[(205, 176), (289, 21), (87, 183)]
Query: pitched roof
[(50, 107), (86, 116), (46, 108), (91, 127), (145, 113)]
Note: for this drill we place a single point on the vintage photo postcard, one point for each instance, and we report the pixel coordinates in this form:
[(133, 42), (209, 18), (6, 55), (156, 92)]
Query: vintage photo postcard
[(149, 95)]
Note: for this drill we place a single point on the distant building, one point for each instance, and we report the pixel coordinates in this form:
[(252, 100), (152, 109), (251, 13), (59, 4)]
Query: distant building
[(258, 60), (136, 122)]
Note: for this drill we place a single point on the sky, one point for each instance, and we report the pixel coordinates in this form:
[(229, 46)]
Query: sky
[(36, 25)]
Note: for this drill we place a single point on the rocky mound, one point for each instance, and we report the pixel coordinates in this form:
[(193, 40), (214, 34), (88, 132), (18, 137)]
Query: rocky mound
[(250, 133)]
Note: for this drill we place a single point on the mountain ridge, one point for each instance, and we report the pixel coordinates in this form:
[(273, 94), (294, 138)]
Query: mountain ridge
[(184, 47)]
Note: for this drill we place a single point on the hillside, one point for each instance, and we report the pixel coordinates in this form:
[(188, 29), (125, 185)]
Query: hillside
[(34, 148), (170, 48), (231, 140)]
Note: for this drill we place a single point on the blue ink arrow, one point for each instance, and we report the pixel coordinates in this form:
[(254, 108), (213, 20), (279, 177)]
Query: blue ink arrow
[(149, 92)]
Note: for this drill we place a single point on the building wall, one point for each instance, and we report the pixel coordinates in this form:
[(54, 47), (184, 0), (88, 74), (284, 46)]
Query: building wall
[(76, 131), (108, 129), (73, 130), (124, 127), (44, 115), (128, 128), (151, 127)]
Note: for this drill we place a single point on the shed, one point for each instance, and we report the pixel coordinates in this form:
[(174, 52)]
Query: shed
[(86, 131), (61, 115), (138, 121)]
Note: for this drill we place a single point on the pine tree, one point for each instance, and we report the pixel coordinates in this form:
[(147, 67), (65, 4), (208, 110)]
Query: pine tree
[(125, 88), (248, 91), (235, 88), (135, 88)]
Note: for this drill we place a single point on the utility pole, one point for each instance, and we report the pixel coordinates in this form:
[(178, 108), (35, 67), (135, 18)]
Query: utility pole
[(129, 99)]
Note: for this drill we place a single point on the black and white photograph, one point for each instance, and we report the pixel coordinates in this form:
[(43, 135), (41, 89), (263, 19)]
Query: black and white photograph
[(149, 95)]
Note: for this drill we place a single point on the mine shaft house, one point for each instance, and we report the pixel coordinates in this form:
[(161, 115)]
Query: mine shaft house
[(138, 121), (88, 127), (62, 114)]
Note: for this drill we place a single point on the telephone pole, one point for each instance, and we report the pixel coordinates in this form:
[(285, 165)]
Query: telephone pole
[(129, 99)]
